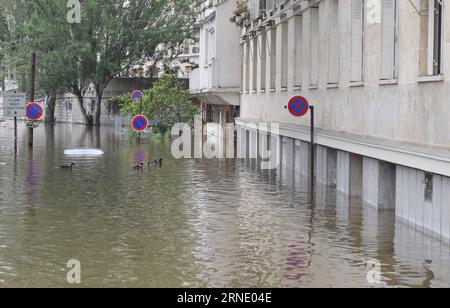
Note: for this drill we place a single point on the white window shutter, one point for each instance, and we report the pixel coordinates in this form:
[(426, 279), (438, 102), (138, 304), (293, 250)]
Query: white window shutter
[(357, 39), (255, 63), (247, 66), (284, 56), (273, 57), (263, 52), (388, 46), (298, 50), (314, 57), (333, 47)]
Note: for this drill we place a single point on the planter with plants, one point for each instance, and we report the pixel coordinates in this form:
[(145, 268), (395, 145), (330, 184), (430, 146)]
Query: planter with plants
[(241, 13)]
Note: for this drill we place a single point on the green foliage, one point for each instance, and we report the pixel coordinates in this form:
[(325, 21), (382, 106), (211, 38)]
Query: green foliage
[(165, 104), (112, 37)]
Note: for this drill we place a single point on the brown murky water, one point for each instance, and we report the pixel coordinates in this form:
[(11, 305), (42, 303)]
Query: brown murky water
[(193, 223)]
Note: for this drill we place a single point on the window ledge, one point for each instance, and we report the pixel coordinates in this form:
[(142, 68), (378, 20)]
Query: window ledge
[(388, 82), (272, 90), (254, 92), (332, 86), (263, 91), (283, 89), (297, 88), (437, 78), (357, 84), (313, 87)]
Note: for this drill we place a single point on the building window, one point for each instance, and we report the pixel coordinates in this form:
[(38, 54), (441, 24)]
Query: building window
[(273, 57), (210, 45), (431, 38), (357, 50), (262, 54), (333, 42), (314, 47), (298, 50), (389, 40), (206, 47)]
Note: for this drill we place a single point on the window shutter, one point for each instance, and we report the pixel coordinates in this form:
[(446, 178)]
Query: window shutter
[(247, 66), (255, 63), (273, 57), (263, 52), (284, 56), (314, 58), (333, 48), (298, 49), (357, 40), (388, 48)]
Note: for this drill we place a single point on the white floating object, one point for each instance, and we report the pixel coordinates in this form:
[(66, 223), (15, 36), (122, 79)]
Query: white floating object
[(83, 152)]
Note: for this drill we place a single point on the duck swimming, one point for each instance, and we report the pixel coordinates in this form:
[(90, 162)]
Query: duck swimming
[(139, 167), (68, 166), (155, 163)]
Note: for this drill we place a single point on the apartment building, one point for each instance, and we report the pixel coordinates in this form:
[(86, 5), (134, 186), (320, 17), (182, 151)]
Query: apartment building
[(188, 59), (378, 74), (216, 82)]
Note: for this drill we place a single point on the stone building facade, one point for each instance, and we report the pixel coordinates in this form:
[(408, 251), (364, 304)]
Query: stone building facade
[(377, 73)]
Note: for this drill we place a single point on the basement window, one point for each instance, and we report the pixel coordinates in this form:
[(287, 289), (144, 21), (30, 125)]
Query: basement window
[(429, 187)]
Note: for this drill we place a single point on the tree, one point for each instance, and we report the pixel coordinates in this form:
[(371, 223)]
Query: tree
[(40, 26), (115, 34), (112, 36), (165, 104)]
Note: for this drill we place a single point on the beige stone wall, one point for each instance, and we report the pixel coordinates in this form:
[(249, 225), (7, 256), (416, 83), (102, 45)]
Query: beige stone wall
[(404, 110)]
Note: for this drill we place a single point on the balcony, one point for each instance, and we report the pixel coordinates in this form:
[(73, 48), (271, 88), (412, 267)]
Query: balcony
[(214, 84)]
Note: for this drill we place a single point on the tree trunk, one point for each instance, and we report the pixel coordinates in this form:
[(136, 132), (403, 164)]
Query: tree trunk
[(98, 107), (50, 110), (87, 117)]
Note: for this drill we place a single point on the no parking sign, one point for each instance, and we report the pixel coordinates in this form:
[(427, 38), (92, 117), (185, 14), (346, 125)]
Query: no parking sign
[(137, 96), (298, 106), (139, 123), (34, 111)]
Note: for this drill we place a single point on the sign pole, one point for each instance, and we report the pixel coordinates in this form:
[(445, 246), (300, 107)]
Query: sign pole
[(15, 133), (313, 148), (33, 79), (135, 96), (140, 112), (298, 106)]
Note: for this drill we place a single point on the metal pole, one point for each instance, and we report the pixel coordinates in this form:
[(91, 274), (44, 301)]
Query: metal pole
[(15, 133), (32, 93), (140, 112), (313, 149)]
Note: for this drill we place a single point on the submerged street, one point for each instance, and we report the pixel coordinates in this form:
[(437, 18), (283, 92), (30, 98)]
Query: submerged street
[(190, 223)]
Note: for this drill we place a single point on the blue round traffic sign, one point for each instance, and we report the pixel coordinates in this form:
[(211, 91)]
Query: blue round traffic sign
[(137, 95), (298, 106), (34, 111), (139, 123)]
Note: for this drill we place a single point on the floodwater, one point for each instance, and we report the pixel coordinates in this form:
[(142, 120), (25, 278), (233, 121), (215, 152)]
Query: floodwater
[(192, 223)]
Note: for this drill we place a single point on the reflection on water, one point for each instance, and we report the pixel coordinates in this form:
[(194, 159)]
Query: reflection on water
[(192, 223)]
